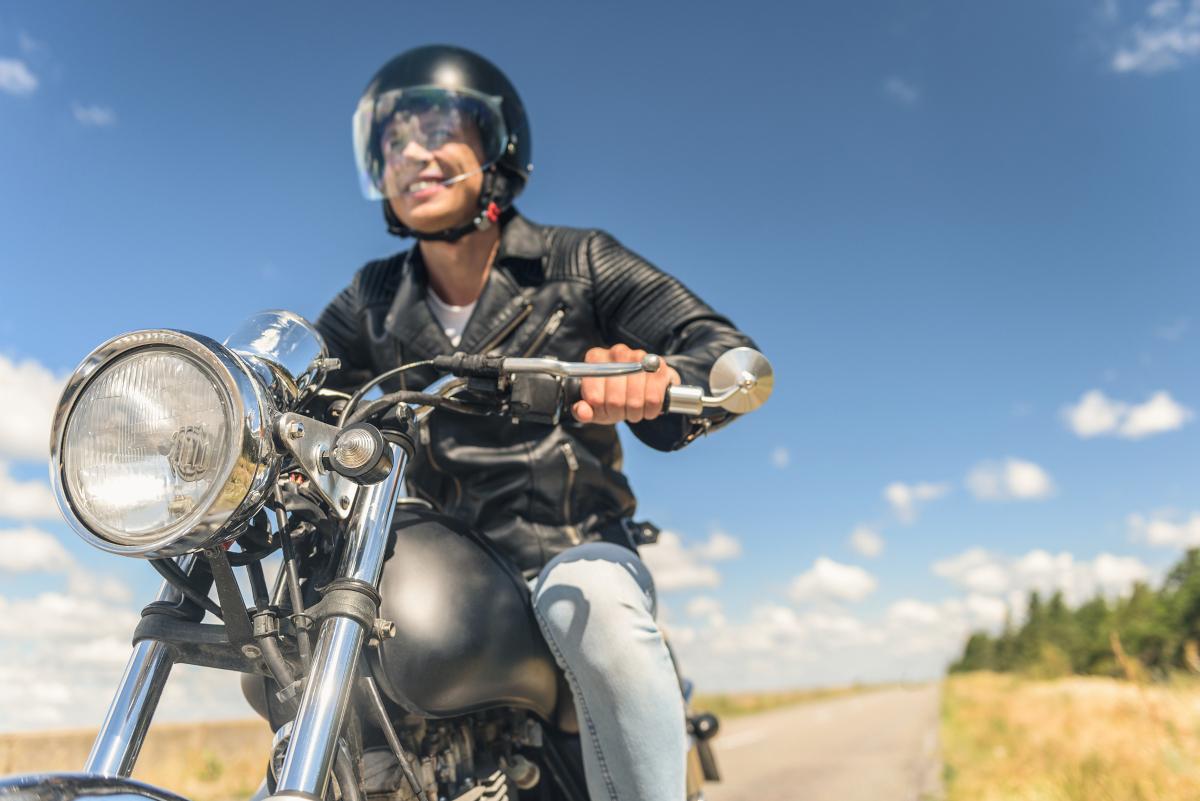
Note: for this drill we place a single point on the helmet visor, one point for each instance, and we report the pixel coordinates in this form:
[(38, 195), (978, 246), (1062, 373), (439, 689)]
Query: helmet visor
[(397, 133)]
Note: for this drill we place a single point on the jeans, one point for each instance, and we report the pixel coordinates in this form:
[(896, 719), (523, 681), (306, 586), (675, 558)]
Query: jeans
[(596, 604)]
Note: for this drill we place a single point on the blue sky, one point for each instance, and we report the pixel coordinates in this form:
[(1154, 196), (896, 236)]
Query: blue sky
[(944, 224)]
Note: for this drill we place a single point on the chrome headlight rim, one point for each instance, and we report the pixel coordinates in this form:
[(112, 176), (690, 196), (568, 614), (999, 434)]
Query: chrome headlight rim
[(245, 475)]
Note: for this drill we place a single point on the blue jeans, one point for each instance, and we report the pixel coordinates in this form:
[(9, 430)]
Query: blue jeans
[(595, 604)]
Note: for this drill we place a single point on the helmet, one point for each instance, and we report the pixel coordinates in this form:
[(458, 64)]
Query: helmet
[(420, 95)]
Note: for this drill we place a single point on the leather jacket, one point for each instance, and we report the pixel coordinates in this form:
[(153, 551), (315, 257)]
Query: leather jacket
[(534, 489)]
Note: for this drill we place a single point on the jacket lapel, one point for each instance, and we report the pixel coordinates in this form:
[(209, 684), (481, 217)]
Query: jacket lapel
[(409, 319), (505, 302)]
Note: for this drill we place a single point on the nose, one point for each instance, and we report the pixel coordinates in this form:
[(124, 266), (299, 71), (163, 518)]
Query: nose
[(414, 151)]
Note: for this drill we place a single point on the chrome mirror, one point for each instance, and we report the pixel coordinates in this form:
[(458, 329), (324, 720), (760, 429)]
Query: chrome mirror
[(742, 380)]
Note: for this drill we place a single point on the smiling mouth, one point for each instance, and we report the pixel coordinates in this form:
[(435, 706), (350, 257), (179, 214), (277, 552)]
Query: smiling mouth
[(420, 186)]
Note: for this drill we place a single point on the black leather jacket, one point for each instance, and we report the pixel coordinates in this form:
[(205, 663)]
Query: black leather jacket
[(534, 489)]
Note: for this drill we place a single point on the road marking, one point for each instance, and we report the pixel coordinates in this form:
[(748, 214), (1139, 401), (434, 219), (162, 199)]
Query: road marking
[(741, 738)]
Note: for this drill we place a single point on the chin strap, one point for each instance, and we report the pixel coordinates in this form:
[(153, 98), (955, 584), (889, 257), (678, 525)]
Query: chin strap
[(494, 200)]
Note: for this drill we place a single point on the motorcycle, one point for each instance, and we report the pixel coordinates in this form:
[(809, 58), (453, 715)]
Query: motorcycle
[(396, 655)]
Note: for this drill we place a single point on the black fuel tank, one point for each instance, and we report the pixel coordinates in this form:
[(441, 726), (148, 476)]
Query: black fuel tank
[(466, 638)]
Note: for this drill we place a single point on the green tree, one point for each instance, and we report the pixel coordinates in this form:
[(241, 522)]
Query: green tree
[(979, 654)]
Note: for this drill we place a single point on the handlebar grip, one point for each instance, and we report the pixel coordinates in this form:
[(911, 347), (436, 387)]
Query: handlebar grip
[(683, 399), (572, 392)]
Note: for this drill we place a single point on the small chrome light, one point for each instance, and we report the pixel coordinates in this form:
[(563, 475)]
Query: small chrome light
[(161, 444)]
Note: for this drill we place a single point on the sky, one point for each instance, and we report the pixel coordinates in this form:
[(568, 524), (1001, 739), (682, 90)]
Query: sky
[(964, 234)]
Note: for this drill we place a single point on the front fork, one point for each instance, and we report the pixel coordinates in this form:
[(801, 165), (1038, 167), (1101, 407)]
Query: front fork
[(315, 732)]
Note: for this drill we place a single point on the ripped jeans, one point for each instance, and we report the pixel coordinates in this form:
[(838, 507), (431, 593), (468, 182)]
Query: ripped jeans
[(595, 604)]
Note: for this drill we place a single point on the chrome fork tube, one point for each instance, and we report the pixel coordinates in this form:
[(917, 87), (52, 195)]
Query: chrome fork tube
[(120, 739), (327, 688)]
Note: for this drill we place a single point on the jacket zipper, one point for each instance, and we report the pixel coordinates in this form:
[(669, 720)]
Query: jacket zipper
[(572, 469), (553, 323), (505, 332)]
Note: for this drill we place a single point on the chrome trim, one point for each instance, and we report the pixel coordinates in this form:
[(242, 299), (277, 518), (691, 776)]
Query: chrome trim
[(81, 787), (246, 475), (309, 440), (322, 710), (116, 748), (287, 352), (649, 364), (117, 744), (318, 722)]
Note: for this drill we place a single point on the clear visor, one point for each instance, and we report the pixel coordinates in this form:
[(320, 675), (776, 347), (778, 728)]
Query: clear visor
[(398, 134)]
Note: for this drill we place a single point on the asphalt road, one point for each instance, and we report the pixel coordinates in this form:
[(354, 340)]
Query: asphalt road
[(877, 746)]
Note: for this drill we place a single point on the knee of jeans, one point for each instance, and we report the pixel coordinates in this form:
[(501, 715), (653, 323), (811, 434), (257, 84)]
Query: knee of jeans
[(596, 598)]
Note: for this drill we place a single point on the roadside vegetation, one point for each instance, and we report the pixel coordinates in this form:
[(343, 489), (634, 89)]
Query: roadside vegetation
[(1007, 737), (1148, 634), (731, 705), (218, 761), (1091, 703)]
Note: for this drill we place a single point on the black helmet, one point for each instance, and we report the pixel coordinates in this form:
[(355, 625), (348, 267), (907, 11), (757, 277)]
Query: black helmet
[(450, 81)]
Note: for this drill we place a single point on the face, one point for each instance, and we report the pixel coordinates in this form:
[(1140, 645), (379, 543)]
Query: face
[(421, 151)]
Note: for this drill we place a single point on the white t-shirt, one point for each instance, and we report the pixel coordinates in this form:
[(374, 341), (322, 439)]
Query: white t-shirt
[(453, 319)]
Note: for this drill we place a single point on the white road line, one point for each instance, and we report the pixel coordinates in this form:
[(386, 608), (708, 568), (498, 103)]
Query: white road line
[(737, 740)]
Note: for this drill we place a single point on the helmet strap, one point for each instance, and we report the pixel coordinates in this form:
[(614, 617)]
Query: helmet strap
[(494, 199)]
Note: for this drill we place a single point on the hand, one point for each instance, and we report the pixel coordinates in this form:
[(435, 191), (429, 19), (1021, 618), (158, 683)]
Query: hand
[(634, 397)]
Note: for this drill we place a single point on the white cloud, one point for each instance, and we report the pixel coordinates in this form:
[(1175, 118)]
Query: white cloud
[(1166, 529), (720, 547), (866, 541), (676, 567), (1096, 415), (777, 646), (1165, 38), (25, 500), (15, 77), (1010, 480), (30, 393), (780, 457), (901, 91), (985, 573), (905, 498), (1158, 414), (31, 550), (830, 580), (94, 116)]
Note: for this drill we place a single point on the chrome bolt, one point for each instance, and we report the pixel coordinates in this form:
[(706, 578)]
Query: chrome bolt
[(251, 651), (295, 429), (344, 501)]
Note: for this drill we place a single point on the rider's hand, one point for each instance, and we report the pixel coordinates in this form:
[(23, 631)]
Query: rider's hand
[(634, 397)]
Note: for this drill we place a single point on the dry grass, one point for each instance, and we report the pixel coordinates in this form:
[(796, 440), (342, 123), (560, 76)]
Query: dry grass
[(1074, 739), (201, 761), (729, 705)]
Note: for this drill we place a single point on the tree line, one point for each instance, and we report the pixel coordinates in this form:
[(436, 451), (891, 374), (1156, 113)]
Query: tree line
[(1147, 633)]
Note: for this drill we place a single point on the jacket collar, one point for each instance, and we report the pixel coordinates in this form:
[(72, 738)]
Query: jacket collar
[(511, 282)]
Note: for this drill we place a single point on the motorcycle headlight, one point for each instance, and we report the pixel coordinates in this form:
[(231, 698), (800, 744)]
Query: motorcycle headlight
[(161, 445)]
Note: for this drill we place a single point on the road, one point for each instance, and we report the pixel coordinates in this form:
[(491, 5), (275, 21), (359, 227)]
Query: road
[(877, 746)]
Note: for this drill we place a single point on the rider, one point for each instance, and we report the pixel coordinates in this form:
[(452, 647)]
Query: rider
[(442, 139)]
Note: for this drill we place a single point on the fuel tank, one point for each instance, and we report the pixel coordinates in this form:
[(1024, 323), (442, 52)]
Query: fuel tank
[(466, 638)]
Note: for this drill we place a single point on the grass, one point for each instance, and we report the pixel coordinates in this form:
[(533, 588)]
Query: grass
[(731, 705), (218, 761), (1074, 739)]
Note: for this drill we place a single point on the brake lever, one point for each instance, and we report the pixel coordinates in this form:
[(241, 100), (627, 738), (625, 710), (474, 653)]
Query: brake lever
[(650, 363)]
